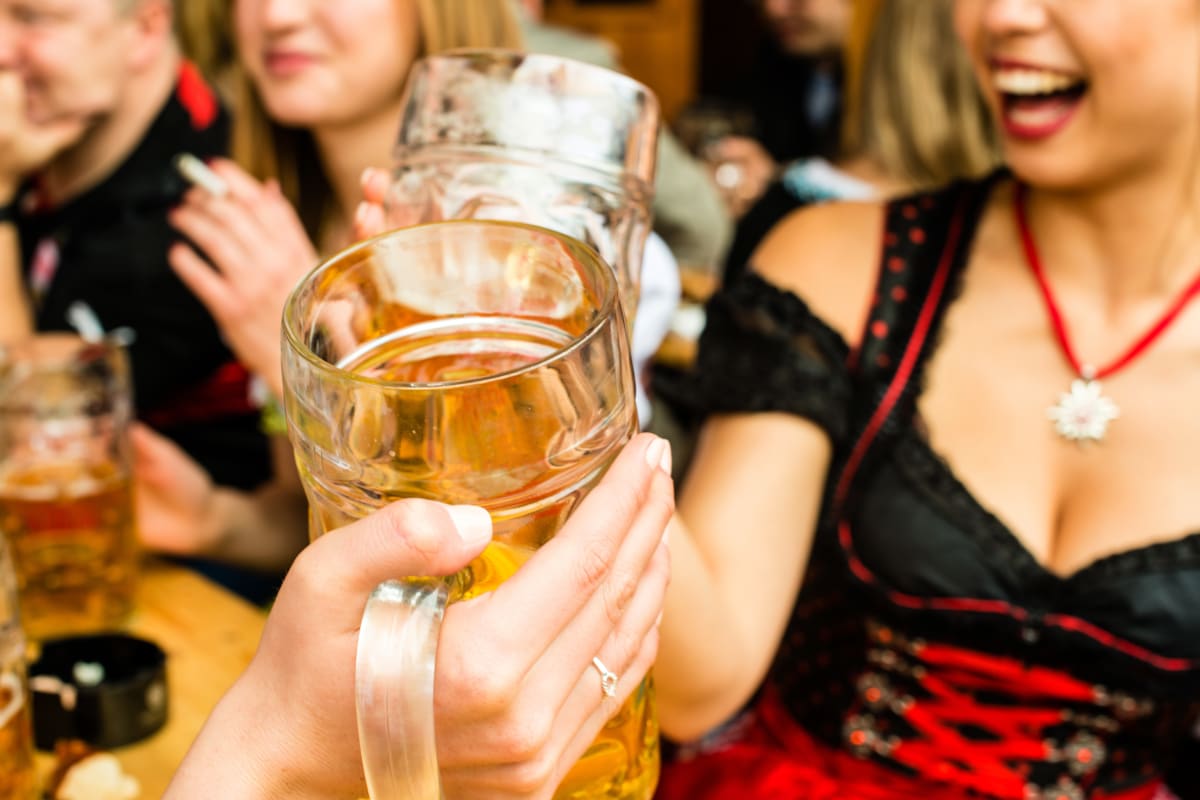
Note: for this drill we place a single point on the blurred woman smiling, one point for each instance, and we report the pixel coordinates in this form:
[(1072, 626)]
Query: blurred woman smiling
[(959, 474), (317, 88)]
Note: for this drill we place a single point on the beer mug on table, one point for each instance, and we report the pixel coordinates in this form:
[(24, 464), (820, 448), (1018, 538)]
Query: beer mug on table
[(18, 778), (66, 499), (470, 362), (495, 134)]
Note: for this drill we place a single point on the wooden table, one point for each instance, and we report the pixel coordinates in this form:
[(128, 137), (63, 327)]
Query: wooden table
[(209, 636)]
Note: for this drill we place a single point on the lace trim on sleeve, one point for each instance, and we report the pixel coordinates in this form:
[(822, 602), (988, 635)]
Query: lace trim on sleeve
[(764, 350)]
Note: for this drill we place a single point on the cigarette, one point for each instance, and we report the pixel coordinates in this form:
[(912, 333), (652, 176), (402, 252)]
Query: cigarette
[(83, 319), (200, 175)]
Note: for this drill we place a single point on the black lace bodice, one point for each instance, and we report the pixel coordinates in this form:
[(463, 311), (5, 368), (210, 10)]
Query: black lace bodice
[(921, 609)]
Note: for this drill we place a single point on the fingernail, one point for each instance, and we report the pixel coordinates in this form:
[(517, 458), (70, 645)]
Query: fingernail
[(665, 462), (654, 453), (366, 173), (360, 214), (474, 525)]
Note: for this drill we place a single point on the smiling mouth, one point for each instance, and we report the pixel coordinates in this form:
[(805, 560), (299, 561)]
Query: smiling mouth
[(1037, 103), (286, 64)]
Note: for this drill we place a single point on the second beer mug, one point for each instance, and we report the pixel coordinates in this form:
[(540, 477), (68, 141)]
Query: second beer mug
[(66, 500), (467, 362), (492, 134)]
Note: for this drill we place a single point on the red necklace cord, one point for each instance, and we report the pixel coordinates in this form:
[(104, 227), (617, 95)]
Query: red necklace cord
[(1056, 318)]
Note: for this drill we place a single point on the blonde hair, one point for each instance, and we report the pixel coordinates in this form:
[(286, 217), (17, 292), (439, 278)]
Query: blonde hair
[(269, 150), (915, 110)]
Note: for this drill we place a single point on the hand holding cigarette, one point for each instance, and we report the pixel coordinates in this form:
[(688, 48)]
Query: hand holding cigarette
[(246, 249)]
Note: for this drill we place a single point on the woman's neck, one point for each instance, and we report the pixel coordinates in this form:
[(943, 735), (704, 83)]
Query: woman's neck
[(345, 151), (1131, 240)]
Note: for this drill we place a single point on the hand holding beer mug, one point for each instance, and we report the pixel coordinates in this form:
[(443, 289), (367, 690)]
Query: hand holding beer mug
[(66, 503), (479, 363)]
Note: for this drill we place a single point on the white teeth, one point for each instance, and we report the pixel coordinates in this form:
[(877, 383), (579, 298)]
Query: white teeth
[(1031, 81)]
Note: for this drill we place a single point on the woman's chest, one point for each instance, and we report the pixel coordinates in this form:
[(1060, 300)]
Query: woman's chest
[(992, 394), (918, 537)]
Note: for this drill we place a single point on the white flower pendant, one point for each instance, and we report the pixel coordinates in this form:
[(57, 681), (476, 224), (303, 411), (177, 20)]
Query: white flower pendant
[(1083, 413)]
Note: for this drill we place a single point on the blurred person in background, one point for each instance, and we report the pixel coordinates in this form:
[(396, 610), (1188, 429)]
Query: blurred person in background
[(317, 88), (915, 119), (316, 104), (793, 94), (306, 130), (25, 145), (91, 220)]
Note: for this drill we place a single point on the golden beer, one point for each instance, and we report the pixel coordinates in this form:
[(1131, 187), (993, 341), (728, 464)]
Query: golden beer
[(467, 362), (66, 502), (461, 447), (71, 530)]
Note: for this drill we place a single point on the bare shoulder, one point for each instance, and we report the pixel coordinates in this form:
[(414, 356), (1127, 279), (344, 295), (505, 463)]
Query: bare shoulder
[(828, 255)]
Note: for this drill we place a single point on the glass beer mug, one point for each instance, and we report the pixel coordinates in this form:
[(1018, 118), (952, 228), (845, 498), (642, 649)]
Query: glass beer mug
[(467, 362), (66, 494), (494, 134)]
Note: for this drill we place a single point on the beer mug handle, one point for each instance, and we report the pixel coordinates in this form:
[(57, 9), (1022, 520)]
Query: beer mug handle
[(397, 652)]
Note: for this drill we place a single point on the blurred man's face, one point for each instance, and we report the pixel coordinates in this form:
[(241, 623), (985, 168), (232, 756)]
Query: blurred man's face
[(71, 54), (808, 27)]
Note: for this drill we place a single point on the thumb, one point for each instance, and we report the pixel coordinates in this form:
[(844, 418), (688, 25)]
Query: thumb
[(408, 538)]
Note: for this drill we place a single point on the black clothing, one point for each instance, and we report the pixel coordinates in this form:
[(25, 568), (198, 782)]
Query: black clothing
[(796, 104), (802, 183), (108, 248), (927, 639)]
